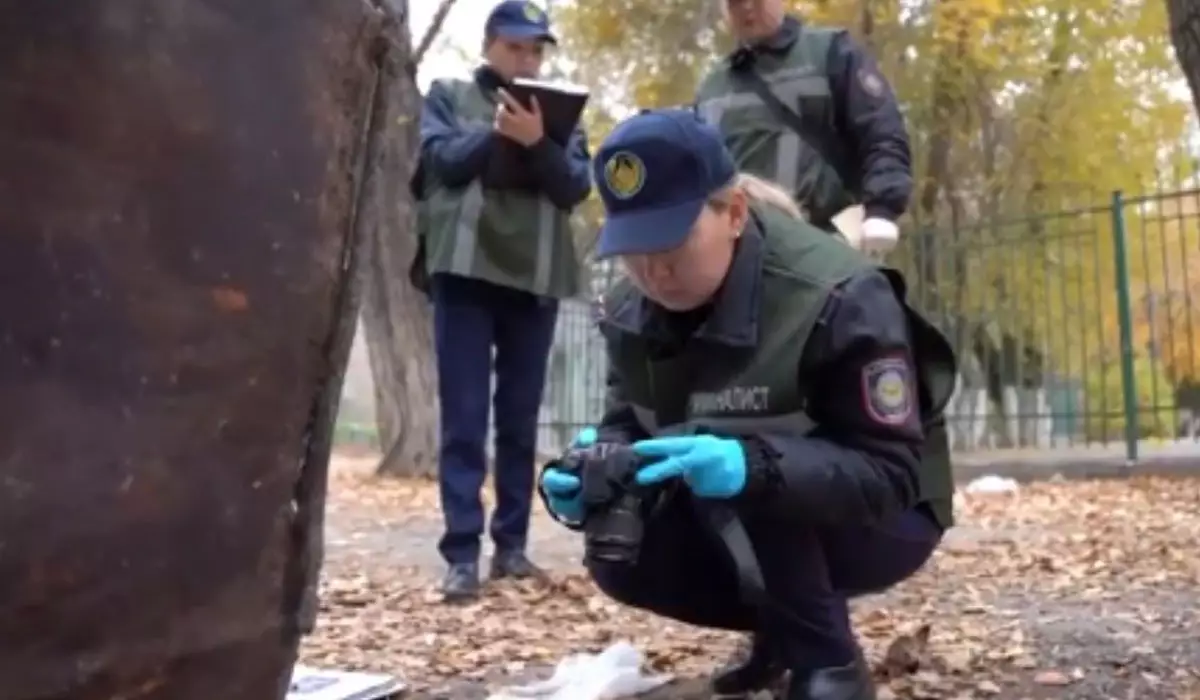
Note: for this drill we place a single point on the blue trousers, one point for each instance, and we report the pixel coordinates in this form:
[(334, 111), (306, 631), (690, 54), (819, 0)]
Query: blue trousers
[(684, 573), (472, 319)]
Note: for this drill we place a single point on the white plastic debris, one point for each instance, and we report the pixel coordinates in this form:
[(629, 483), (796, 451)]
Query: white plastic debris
[(992, 484), (614, 673)]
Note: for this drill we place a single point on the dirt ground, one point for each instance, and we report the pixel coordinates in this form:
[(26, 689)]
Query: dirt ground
[(1074, 590)]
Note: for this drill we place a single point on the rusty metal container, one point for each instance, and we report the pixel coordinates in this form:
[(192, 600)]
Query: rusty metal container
[(176, 191)]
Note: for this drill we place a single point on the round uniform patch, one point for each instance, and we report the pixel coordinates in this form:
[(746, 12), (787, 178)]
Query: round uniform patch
[(624, 174), (871, 83), (533, 13), (886, 393)]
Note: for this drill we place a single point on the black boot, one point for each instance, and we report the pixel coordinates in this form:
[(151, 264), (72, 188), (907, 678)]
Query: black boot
[(461, 584), (851, 682), (760, 670), (513, 564)]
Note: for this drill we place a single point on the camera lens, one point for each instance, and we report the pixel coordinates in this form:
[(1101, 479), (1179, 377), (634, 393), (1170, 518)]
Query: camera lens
[(615, 535)]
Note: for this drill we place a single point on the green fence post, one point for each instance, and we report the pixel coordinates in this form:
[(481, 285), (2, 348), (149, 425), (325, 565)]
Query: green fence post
[(1125, 320)]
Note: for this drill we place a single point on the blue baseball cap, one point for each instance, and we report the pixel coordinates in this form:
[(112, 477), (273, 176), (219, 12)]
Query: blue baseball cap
[(655, 172), (519, 19)]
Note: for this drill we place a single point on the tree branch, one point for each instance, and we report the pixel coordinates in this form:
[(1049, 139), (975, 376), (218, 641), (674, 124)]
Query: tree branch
[(435, 28)]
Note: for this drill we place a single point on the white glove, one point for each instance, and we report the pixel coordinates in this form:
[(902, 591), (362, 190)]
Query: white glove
[(879, 237)]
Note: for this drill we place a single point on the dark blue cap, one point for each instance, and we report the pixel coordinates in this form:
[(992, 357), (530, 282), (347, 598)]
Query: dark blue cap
[(655, 172), (518, 19)]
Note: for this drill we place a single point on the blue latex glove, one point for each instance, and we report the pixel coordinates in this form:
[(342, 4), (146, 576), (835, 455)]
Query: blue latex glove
[(712, 467), (563, 494)]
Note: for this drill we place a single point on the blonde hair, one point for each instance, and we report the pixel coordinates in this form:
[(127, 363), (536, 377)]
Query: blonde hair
[(759, 191)]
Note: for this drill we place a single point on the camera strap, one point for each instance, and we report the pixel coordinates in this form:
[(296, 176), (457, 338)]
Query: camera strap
[(827, 146), (724, 522), (816, 140)]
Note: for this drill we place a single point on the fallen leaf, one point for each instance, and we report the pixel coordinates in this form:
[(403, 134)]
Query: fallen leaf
[(1015, 589), (987, 687), (1051, 678), (230, 299)]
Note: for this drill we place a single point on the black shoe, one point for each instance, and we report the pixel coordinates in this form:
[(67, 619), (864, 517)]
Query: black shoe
[(513, 564), (461, 583), (851, 682), (760, 670)]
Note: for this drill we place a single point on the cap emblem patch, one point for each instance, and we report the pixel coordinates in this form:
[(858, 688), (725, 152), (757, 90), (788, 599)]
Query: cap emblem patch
[(532, 13), (624, 174)]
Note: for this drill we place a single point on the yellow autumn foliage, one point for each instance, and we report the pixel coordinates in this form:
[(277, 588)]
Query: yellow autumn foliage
[(1025, 116)]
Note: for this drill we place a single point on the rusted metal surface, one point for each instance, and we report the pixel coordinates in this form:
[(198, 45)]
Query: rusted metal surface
[(175, 203)]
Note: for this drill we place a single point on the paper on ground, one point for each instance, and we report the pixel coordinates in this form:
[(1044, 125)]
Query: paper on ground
[(314, 684), (992, 484), (611, 674)]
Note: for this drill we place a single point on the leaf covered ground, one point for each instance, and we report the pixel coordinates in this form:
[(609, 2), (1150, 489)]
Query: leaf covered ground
[(1079, 590)]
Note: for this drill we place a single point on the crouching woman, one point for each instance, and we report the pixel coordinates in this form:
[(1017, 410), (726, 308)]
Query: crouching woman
[(762, 368)]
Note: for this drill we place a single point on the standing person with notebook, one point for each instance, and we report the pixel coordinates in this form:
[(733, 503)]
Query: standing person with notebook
[(494, 214), (806, 107)]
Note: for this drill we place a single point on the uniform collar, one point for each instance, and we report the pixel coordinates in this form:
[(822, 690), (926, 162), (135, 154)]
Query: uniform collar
[(733, 320), (488, 79), (781, 41)]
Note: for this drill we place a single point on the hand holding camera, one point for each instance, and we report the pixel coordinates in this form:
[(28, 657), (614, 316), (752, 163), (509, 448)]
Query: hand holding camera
[(562, 485), (609, 489), (594, 485), (712, 467)]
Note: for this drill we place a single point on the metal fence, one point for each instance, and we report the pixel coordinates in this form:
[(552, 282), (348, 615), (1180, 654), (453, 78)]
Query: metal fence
[(574, 396), (1073, 328)]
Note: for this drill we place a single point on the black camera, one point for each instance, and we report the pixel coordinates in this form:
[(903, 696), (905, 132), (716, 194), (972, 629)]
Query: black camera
[(615, 506)]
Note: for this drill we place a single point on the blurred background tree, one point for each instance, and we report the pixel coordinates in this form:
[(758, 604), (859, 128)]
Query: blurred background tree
[(1025, 117)]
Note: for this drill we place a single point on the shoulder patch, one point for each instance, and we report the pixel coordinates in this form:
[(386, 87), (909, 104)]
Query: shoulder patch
[(871, 82), (887, 390)]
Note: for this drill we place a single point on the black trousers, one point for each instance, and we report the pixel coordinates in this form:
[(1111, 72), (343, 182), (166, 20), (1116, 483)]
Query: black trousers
[(685, 573), (472, 319)]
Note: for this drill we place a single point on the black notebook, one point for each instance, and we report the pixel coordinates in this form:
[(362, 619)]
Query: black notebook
[(561, 104)]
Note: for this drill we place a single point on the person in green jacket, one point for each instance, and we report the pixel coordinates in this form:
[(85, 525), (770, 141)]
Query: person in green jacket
[(499, 255), (765, 379), (807, 107)]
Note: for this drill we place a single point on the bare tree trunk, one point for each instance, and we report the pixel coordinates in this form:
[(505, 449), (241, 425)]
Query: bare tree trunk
[(435, 28), (866, 26), (1185, 36), (198, 459), (947, 107), (396, 318)]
